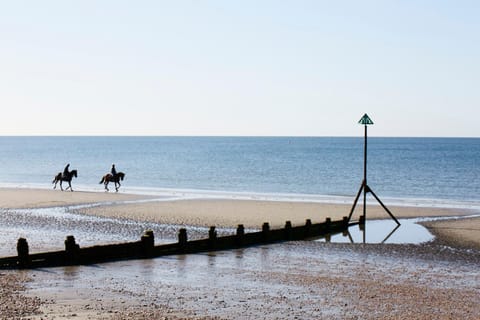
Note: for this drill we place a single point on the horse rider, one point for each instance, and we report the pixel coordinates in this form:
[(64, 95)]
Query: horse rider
[(113, 171), (65, 171)]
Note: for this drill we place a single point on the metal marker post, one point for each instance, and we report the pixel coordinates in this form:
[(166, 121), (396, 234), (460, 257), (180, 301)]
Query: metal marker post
[(365, 120)]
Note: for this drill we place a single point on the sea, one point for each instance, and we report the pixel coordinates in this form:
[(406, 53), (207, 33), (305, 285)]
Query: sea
[(432, 172), (422, 171)]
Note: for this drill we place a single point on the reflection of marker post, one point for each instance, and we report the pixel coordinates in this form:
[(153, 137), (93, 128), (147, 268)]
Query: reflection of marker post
[(365, 120)]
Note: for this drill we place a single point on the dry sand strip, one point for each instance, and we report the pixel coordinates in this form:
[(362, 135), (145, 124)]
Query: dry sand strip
[(252, 213), (19, 198)]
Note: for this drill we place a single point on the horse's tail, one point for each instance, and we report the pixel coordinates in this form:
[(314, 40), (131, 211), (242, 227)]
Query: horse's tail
[(56, 178), (102, 181)]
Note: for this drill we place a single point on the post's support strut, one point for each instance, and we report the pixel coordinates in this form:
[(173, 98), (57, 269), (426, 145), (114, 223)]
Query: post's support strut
[(356, 200), (383, 206)]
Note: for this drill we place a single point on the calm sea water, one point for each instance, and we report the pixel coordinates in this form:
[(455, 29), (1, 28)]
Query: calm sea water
[(400, 168)]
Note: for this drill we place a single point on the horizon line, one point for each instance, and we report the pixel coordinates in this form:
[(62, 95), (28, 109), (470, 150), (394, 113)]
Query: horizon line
[(227, 136)]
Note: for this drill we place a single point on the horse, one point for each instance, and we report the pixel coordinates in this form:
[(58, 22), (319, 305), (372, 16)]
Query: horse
[(59, 178), (109, 178)]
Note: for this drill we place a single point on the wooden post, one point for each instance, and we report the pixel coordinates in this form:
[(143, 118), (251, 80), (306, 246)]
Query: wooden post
[(240, 230), (308, 226), (72, 250), (240, 234), (361, 220), (212, 237), (265, 231), (23, 253), (288, 230), (182, 237), (361, 225), (328, 222), (148, 243), (345, 222)]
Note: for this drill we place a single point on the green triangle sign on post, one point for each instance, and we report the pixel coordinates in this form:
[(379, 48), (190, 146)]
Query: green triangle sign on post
[(365, 120)]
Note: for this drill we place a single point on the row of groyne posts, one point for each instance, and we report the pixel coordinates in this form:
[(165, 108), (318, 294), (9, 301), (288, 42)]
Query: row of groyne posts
[(146, 248)]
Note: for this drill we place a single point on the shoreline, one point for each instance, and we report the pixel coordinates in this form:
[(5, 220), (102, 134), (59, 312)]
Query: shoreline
[(228, 212)]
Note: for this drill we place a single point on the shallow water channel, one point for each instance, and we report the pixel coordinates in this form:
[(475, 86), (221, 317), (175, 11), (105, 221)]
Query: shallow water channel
[(386, 231)]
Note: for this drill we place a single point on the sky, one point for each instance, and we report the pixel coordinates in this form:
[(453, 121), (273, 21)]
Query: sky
[(248, 68)]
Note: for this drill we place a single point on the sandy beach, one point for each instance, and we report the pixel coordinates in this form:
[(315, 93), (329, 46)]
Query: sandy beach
[(43, 198), (352, 301), (253, 213)]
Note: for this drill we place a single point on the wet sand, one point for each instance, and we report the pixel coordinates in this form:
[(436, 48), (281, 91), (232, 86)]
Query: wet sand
[(297, 280), (464, 233)]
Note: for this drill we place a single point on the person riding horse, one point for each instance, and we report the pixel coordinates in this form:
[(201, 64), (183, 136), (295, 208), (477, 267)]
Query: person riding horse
[(113, 176), (113, 171), (65, 171)]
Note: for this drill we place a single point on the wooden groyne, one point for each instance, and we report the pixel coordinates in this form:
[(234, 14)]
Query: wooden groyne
[(145, 248)]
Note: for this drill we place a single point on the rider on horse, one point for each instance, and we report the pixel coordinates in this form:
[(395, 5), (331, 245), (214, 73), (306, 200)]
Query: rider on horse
[(113, 171), (65, 171)]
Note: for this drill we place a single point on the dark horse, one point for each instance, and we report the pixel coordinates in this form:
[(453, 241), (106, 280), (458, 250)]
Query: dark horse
[(109, 178), (59, 178)]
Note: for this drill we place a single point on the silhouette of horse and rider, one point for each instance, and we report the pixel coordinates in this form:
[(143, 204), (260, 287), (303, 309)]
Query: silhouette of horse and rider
[(67, 176), (114, 177)]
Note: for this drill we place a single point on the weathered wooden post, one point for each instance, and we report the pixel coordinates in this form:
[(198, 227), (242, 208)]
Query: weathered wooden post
[(265, 231), (72, 250), (361, 220), (328, 222), (182, 238), (288, 230), (361, 224), (327, 237), (148, 243), (308, 226), (328, 228), (212, 237), (240, 234), (23, 253)]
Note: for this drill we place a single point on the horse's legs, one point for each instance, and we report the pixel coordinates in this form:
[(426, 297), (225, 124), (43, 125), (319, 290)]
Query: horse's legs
[(61, 188), (119, 185), (106, 184), (69, 186), (55, 185)]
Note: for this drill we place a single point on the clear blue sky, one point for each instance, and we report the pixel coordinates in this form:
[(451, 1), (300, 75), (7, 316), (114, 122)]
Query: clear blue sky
[(240, 67)]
